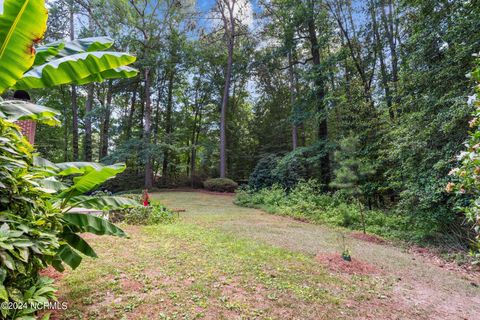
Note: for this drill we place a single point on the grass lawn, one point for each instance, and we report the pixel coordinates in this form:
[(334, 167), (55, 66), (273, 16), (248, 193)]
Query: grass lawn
[(221, 261)]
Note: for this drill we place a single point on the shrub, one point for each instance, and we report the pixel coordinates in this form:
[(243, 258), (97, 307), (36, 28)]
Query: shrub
[(468, 172), (151, 215), (306, 202), (220, 185), (127, 180), (38, 227), (263, 176), (291, 169)]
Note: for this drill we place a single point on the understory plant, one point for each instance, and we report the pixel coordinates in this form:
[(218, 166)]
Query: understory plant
[(220, 185), (40, 202), (40, 219), (140, 215), (467, 174), (306, 202)]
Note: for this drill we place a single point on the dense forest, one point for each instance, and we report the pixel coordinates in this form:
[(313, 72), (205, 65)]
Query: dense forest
[(373, 92)]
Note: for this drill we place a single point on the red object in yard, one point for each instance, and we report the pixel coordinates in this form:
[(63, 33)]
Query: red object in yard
[(146, 198), (28, 128)]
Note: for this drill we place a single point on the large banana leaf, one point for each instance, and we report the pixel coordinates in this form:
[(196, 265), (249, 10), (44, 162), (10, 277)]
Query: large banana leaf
[(22, 24), (60, 49), (69, 256), (93, 224), (117, 73), (69, 168), (73, 69), (42, 162), (91, 180), (46, 52), (77, 242), (102, 203), (13, 110), (51, 185)]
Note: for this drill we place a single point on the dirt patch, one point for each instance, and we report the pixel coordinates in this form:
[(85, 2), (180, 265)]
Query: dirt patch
[(368, 237), (334, 262), (467, 270), (51, 273), (131, 285)]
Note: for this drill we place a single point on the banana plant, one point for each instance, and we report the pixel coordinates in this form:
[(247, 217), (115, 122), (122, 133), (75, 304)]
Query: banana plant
[(22, 26), (68, 196), (40, 226)]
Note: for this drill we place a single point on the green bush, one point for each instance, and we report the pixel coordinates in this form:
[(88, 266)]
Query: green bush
[(28, 226), (220, 185), (263, 176), (151, 215), (306, 202), (127, 180)]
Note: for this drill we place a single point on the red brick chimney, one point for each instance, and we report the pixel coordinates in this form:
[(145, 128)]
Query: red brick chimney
[(28, 129), (28, 126)]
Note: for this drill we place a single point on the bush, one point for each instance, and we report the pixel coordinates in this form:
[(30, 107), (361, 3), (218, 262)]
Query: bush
[(151, 215), (220, 185), (306, 202), (127, 180), (263, 176), (28, 226), (291, 169)]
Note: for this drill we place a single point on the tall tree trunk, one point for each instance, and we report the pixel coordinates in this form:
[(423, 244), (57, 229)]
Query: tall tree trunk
[(229, 26), (74, 94), (223, 114), (88, 124), (87, 144), (320, 94), (105, 128), (291, 79), (385, 77), (66, 129), (131, 112), (390, 24), (147, 131), (168, 126)]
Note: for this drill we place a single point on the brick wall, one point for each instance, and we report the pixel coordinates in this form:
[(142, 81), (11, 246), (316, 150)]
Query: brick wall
[(28, 129)]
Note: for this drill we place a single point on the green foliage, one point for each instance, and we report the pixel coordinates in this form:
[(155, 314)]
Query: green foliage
[(151, 215), (22, 24), (291, 169), (286, 171), (29, 223), (127, 180), (468, 172), (352, 172), (306, 202), (38, 225), (220, 185), (262, 176)]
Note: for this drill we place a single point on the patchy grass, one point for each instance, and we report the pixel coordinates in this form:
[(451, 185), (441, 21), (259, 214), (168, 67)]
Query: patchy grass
[(221, 261), (186, 271)]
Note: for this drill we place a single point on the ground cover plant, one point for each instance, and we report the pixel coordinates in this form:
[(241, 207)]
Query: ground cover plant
[(306, 202)]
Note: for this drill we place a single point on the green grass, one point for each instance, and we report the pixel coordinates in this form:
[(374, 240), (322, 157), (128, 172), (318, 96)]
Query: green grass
[(186, 271), (221, 261)]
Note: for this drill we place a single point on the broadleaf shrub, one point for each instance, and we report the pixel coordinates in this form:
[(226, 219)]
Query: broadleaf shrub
[(467, 184), (220, 185), (263, 175), (151, 215), (29, 225)]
